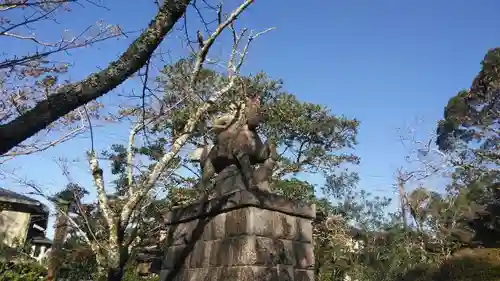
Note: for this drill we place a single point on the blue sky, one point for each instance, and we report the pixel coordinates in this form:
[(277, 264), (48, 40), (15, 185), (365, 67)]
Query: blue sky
[(384, 62)]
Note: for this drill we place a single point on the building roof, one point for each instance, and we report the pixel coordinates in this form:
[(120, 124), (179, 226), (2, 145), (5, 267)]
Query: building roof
[(41, 241), (9, 196)]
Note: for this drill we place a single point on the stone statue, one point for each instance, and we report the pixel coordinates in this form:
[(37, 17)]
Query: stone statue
[(238, 144)]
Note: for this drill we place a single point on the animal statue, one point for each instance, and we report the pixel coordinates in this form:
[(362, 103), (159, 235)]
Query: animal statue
[(237, 143)]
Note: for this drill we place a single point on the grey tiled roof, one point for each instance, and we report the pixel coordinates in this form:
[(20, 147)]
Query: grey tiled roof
[(10, 196)]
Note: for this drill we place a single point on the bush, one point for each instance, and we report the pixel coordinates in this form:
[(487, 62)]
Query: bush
[(21, 271), (465, 265), (471, 264), (420, 272)]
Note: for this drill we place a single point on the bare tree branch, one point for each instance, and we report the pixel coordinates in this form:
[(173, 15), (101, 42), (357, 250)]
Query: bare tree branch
[(70, 97), (9, 4), (234, 66), (38, 148), (39, 191)]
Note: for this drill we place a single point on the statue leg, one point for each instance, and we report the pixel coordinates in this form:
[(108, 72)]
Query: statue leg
[(267, 150), (263, 175), (273, 153), (245, 166), (208, 170)]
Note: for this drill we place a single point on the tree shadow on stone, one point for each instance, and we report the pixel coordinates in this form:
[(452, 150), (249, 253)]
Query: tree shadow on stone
[(188, 224)]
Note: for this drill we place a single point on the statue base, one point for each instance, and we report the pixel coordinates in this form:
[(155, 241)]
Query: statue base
[(240, 236), (230, 179)]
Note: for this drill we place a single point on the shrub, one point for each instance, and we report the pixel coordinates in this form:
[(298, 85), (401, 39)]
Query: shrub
[(464, 265), (21, 271), (420, 272), (471, 264)]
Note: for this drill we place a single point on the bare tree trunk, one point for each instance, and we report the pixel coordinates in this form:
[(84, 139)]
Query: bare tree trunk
[(402, 202), (101, 266), (111, 263), (402, 179), (72, 96), (116, 269), (115, 274)]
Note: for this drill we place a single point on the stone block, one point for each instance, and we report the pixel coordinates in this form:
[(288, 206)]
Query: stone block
[(267, 223), (247, 273), (216, 228), (241, 236), (240, 222), (303, 275), (233, 251), (303, 255), (173, 275), (240, 199), (285, 273), (176, 256), (184, 233), (253, 250), (232, 273), (284, 253), (200, 255), (271, 252), (304, 230)]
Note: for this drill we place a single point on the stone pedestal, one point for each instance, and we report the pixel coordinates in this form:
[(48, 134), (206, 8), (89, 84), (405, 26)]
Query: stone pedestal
[(244, 236)]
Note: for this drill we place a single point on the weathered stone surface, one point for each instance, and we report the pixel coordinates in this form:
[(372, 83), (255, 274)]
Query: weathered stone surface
[(233, 251), (303, 254), (233, 273), (285, 273), (240, 199), (284, 252), (239, 273), (303, 275), (216, 228), (180, 234), (247, 273), (176, 256), (262, 222), (239, 251), (201, 254), (228, 180), (251, 237)]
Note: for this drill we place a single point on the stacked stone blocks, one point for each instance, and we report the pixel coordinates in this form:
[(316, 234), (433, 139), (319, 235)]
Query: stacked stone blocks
[(244, 235)]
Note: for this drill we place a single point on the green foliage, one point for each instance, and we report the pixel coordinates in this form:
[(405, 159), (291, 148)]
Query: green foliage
[(477, 264), (420, 272), (130, 274), (181, 196), (474, 114), (470, 130), (470, 126), (465, 265), (22, 271), (389, 254), (312, 136), (294, 189)]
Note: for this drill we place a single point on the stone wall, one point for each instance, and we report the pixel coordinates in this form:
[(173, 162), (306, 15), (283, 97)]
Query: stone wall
[(243, 235)]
